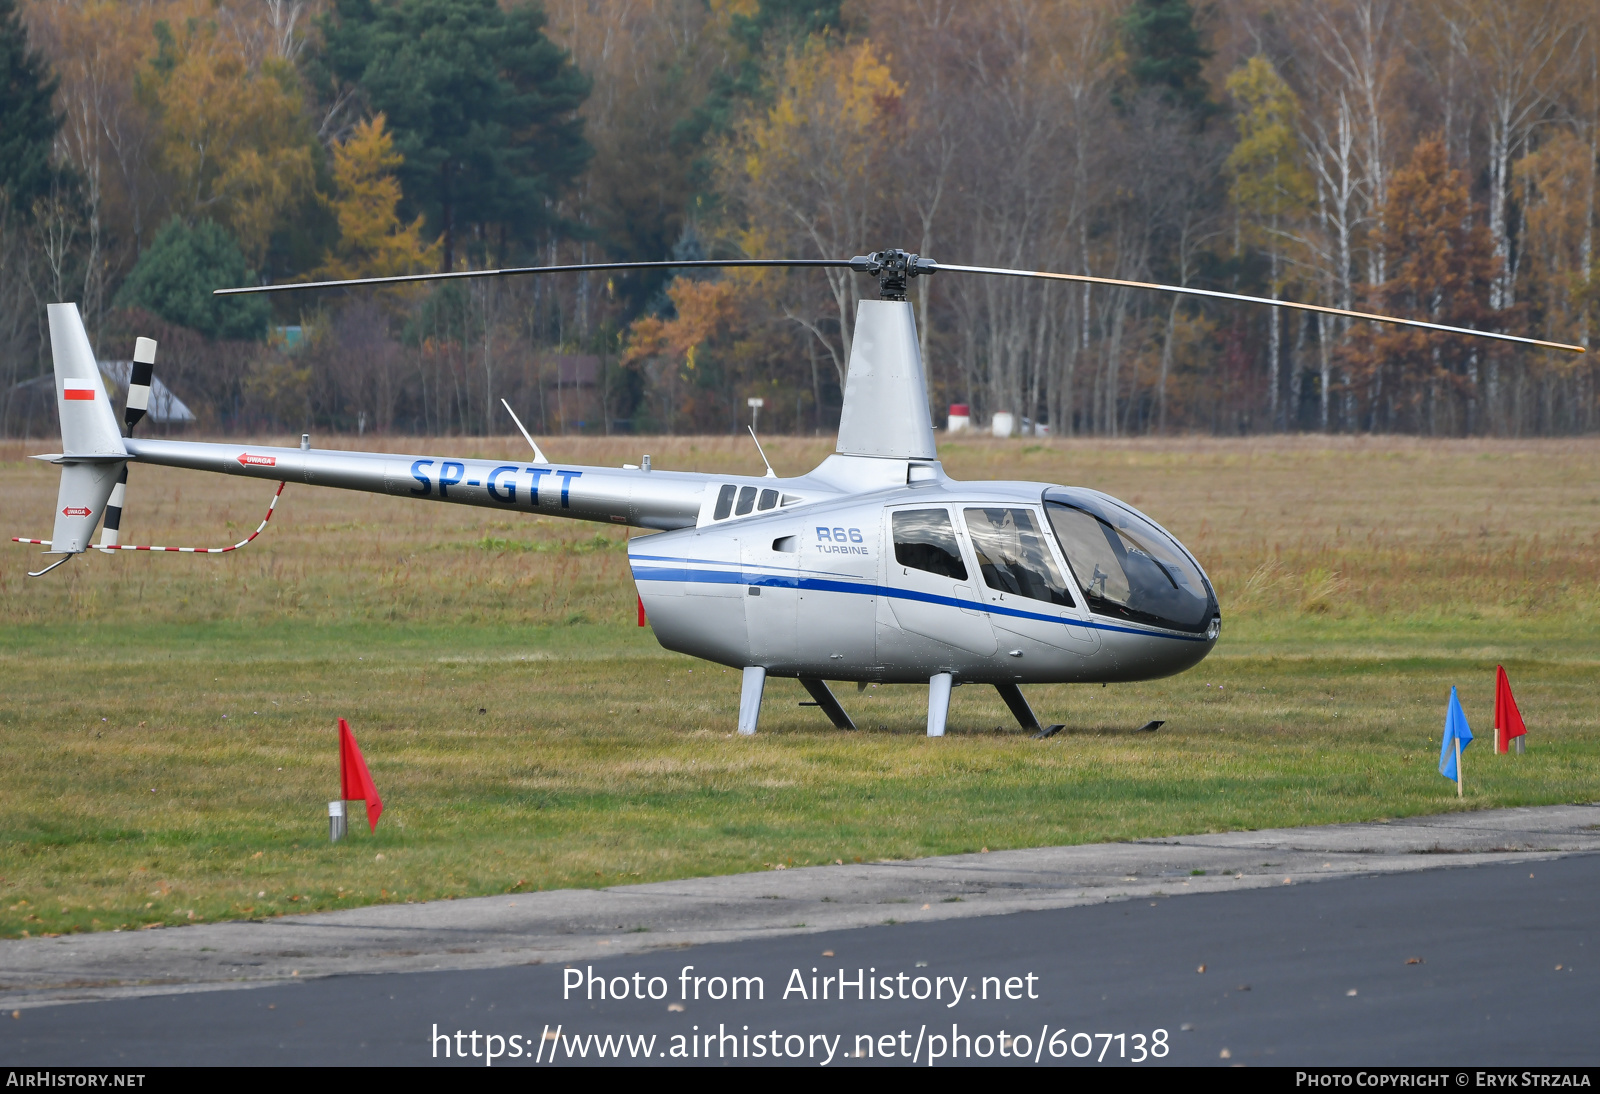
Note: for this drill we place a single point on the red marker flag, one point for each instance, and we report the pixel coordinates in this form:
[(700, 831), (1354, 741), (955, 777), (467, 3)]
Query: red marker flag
[(1507, 718), (355, 782)]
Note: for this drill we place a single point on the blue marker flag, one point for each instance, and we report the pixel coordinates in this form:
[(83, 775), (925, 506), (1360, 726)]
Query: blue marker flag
[(1455, 728)]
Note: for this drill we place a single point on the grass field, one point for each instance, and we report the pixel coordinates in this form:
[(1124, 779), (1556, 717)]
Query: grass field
[(168, 721)]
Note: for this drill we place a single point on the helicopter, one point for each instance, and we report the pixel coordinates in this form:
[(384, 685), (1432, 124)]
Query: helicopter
[(874, 567)]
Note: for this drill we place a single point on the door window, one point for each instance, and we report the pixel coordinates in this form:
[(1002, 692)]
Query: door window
[(925, 539), (1013, 555)]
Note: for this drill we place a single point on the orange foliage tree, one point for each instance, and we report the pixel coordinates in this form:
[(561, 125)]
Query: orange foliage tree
[(686, 358), (1442, 265)]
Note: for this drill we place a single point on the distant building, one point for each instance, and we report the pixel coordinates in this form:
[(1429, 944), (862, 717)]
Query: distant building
[(165, 407), (573, 398)]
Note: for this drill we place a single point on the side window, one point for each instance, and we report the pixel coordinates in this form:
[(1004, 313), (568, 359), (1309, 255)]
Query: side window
[(747, 501), (924, 539), (1013, 556), (769, 500), (724, 503)]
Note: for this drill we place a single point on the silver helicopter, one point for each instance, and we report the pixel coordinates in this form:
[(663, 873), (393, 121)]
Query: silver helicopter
[(875, 566)]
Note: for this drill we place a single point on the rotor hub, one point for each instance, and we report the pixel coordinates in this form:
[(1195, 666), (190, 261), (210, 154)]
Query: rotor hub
[(894, 270)]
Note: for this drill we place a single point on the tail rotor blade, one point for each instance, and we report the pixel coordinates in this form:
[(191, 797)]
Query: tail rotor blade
[(111, 523), (144, 363)]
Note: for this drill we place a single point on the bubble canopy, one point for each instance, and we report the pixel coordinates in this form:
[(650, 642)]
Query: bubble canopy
[(1126, 566)]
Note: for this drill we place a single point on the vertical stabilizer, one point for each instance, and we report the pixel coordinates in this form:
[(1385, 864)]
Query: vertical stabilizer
[(886, 393), (90, 440), (88, 424)]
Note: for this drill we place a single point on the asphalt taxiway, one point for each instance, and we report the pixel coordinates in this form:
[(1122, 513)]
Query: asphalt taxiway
[(1456, 940)]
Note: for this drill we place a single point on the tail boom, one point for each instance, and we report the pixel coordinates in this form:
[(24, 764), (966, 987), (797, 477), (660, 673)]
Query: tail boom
[(647, 499)]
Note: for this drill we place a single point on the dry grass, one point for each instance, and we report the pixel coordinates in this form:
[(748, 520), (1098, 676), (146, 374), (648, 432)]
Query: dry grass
[(1359, 580)]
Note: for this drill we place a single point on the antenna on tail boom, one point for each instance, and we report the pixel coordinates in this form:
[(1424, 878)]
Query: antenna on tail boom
[(771, 474), (537, 455)]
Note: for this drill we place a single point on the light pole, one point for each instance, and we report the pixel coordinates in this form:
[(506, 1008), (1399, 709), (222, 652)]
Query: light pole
[(755, 404)]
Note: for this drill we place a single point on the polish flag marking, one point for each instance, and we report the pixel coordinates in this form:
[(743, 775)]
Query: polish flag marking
[(78, 389), (247, 460), (75, 511)]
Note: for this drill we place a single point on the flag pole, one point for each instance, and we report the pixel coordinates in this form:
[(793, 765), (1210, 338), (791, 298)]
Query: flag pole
[(1457, 741)]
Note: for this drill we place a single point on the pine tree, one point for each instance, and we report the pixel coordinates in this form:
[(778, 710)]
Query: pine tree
[(175, 275), (482, 105), (1165, 53), (28, 124)]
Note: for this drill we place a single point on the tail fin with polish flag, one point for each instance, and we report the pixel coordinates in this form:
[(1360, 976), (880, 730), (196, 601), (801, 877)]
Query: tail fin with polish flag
[(93, 457)]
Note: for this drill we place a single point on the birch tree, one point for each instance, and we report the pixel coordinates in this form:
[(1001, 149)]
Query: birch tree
[(1356, 41), (1522, 50)]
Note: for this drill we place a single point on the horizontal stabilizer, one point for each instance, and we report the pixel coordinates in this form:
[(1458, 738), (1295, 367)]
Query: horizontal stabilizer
[(62, 457)]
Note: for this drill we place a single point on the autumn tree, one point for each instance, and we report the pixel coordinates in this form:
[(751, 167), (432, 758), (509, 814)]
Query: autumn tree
[(98, 50), (1441, 269), (1025, 78), (680, 353), (1070, 135), (810, 173), (373, 242), (232, 137), (1555, 194), (1354, 48), (751, 34), (653, 63), (1270, 188)]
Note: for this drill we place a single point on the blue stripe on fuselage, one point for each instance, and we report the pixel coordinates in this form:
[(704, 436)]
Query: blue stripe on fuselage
[(832, 583)]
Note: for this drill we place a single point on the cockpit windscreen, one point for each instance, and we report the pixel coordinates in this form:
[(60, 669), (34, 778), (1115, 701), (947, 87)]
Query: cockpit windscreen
[(1126, 566)]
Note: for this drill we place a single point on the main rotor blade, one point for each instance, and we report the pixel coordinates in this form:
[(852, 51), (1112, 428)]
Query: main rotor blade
[(699, 263), (1214, 294), (863, 265)]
